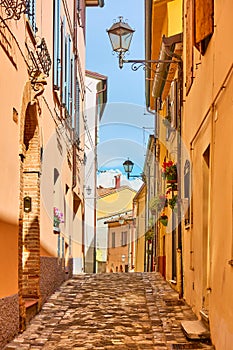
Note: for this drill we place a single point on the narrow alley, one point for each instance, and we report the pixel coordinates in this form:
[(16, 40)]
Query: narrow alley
[(110, 311)]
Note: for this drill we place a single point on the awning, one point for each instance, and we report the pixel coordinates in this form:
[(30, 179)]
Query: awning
[(164, 70)]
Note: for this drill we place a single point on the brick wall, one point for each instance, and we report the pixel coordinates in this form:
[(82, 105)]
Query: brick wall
[(53, 274), (9, 315)]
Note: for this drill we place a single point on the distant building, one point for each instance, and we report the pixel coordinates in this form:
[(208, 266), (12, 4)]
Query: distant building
[(112, 202), (96, 99)]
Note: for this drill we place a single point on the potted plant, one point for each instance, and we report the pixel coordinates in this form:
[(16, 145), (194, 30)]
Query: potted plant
[(149, 235), (172, 202), (57, 219), (157, 203), (163, 219), (169, 171)]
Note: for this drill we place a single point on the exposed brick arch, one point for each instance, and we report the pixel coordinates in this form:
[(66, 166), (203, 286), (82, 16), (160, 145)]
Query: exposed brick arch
[(29, 226)]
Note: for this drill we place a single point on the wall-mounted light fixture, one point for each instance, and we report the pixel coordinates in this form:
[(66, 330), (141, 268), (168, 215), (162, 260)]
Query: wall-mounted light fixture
[(120, 35), (88, 190), (128, 167), (27, 204)]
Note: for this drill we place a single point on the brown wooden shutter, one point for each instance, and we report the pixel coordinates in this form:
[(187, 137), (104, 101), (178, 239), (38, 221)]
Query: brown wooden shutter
[(204, 19), (189, 44)]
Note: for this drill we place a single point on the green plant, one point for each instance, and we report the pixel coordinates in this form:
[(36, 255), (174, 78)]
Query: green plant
[(172, 201), (149, 235), (169, 170), (57, 217), (163, 219)]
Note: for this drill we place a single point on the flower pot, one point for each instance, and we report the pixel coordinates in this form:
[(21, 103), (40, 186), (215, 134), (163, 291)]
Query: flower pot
[(163, 220), (171, 178), (56, 230)]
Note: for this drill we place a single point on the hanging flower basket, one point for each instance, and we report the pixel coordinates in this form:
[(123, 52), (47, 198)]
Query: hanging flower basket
[(157, 203), (164, 220), (57, 219), (169, 172)]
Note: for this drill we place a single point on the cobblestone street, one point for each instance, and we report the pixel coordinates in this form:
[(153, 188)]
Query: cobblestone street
[(110, 311)]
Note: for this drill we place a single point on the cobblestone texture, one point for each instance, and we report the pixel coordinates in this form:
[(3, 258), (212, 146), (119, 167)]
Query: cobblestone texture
[(109, 311)]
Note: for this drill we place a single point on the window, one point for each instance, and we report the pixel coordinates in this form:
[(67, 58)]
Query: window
[(77, 108), (56, 43), (173, 104), (204, 23), (189, 44), (31, 13), (67, 70), (63, 247), (123, 238), (113, 240), (186, 203)]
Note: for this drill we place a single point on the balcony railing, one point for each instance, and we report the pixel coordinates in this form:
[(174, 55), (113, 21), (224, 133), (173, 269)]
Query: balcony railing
[(39, 57), (14, 8)]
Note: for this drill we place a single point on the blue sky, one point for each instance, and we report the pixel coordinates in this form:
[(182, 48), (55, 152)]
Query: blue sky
[(125, 124)]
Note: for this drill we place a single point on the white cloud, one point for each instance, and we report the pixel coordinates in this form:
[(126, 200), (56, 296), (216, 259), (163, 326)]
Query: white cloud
[(106, 179)]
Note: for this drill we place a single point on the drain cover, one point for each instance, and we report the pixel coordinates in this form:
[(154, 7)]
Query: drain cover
[(185, 346)]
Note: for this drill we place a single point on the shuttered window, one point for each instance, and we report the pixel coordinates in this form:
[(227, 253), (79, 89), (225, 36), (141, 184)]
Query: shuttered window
[(31, 13), (173, 103), (187, 191), (113, 240), (123, 238), (77, 108), (63, 63), (189, 43), (68, 74), (204, 23), (56, 43)]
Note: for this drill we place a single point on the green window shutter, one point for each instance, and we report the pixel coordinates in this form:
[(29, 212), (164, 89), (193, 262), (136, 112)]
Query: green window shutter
[(56, 43)]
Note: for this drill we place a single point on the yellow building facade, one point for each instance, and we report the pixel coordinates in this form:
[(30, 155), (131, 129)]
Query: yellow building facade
[(139, 213), (207, 129), (163, 88), (198, 248), (113, 205)]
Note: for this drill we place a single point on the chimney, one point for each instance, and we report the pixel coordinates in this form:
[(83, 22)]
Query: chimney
[(118, 181)]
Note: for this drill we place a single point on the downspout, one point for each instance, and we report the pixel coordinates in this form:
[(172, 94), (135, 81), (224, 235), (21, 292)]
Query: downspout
[(95, 180), (179, 155)]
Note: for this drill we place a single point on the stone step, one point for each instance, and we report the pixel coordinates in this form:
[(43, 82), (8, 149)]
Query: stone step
[(195, 330)]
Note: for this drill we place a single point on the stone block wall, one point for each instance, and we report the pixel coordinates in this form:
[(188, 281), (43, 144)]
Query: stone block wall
[(9, 319), (52, 274)]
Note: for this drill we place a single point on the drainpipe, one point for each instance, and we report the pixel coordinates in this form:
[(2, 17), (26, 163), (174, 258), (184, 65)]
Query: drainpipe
[(179, 155), (95, 181)]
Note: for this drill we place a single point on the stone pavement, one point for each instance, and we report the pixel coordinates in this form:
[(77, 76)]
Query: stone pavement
[(110, 311)]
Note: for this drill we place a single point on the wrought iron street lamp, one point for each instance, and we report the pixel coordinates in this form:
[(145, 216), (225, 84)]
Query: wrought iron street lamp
[(128, 167), (120, 35)]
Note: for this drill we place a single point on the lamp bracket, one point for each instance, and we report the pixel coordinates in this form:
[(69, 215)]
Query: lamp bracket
[(147, 64)]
